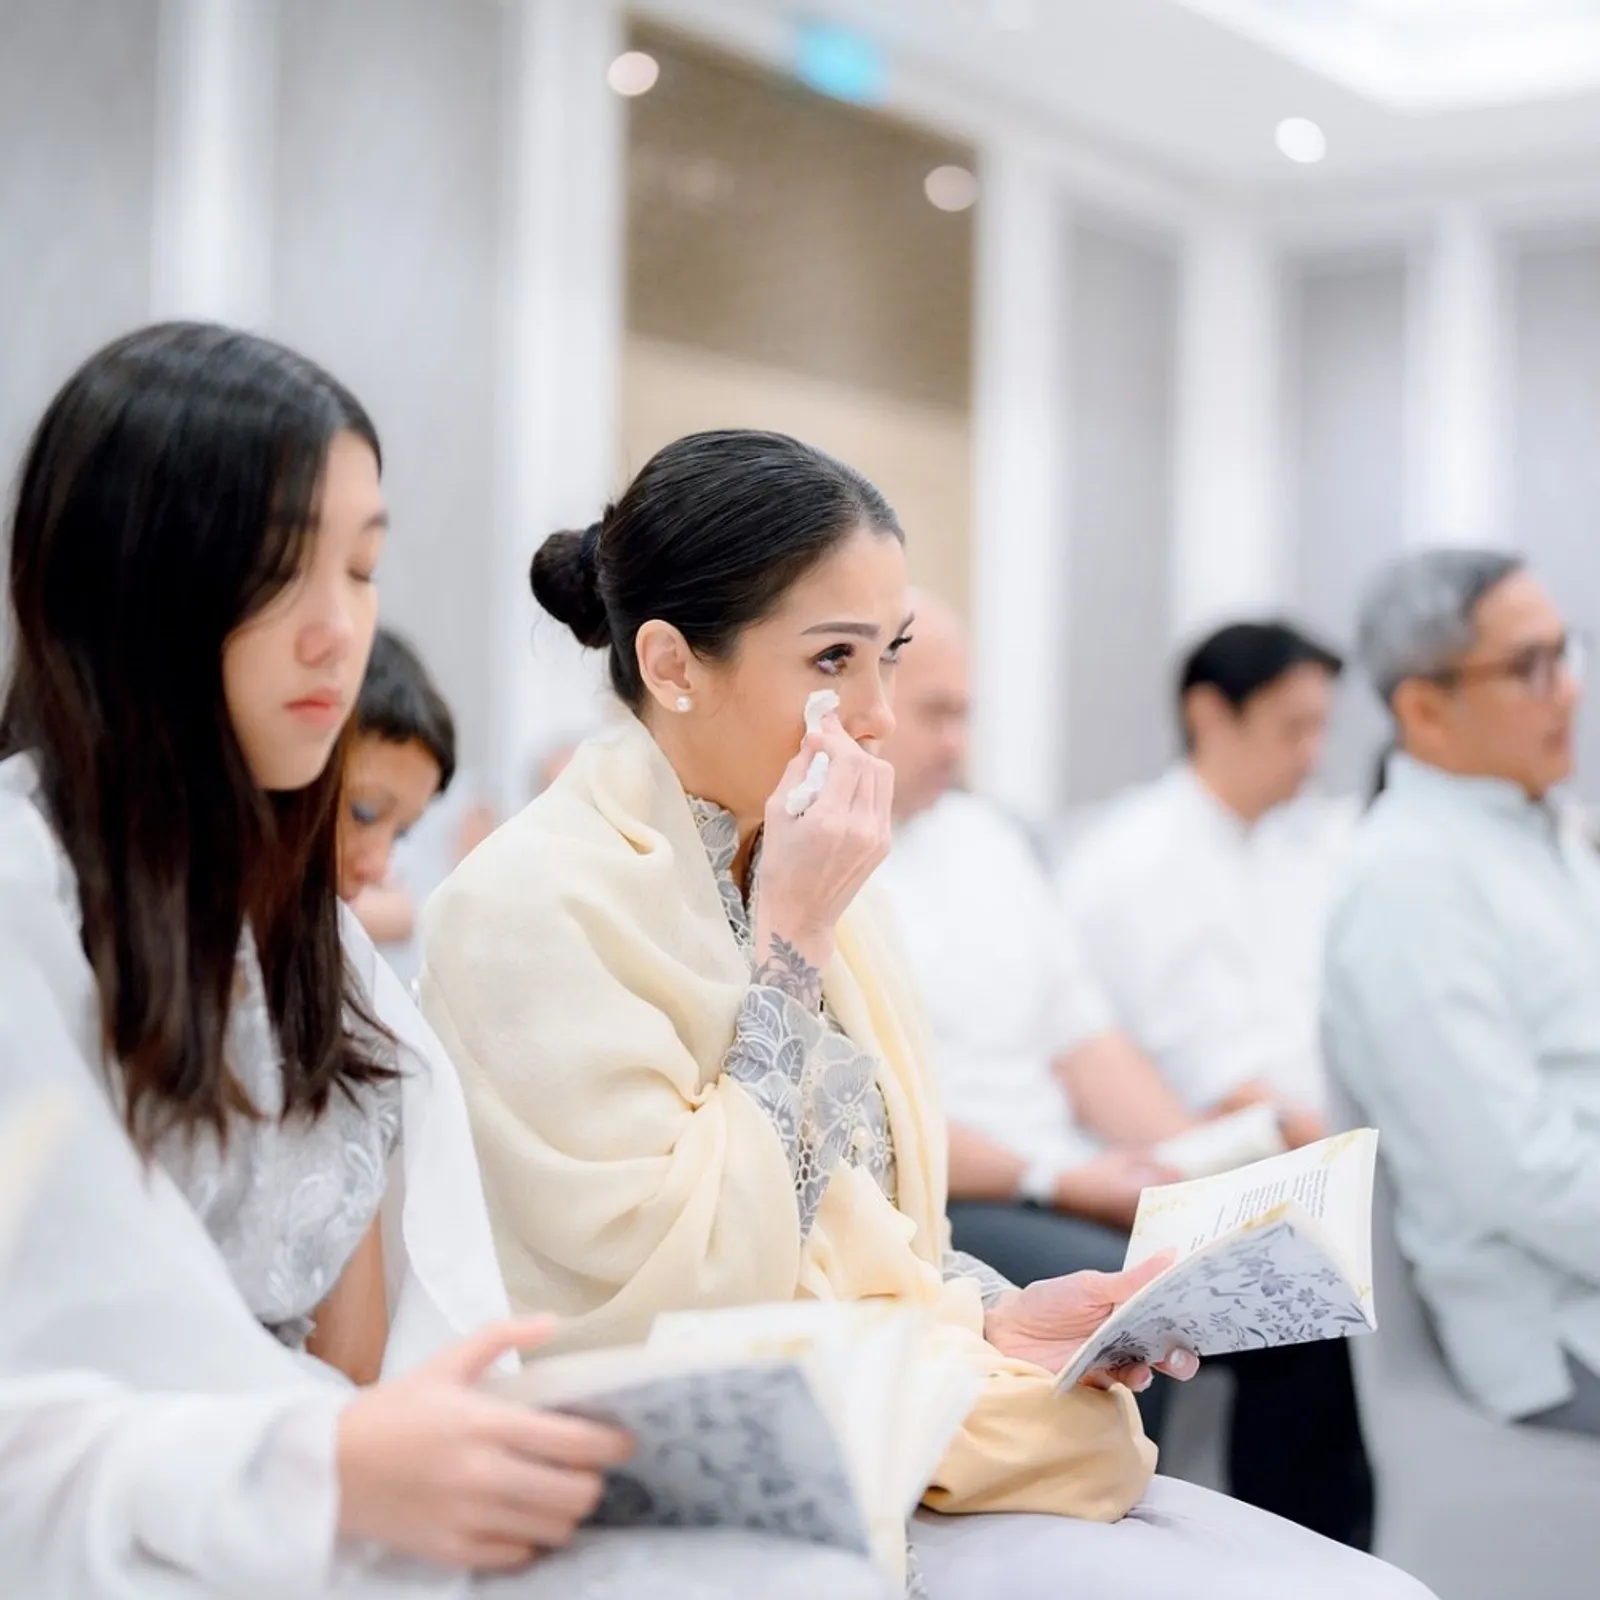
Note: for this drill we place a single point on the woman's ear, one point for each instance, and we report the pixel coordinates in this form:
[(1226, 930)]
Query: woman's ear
[(667, 665)]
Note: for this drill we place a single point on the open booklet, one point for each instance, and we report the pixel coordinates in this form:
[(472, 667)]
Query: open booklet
[(1275, 1253), (818, 1421)]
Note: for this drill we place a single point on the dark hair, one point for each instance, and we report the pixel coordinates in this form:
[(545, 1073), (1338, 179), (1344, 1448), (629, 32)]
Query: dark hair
[(709, 537), (167, 496), (400, 704), (1379, 785), (1244, 658)]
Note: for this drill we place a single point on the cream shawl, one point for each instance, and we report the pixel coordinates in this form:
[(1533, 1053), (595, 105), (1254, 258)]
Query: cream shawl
[(581, 972)]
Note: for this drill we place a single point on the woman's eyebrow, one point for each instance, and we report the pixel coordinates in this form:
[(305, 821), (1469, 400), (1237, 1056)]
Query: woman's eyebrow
[(856, 630)]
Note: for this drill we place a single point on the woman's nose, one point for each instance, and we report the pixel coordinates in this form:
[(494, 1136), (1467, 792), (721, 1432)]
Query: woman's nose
[(365, 865), (328, 627), (872, 720)]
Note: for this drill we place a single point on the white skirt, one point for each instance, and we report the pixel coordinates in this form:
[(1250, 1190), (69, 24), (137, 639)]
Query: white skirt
[(690, 1564), (1178, 1543)]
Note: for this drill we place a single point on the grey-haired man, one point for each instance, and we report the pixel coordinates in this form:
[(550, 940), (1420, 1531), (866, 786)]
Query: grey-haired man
[(1462, 994)]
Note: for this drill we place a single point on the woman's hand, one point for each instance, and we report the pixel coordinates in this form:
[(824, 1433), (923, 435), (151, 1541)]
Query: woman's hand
[(1048, 1322), (814, 865), (434, 1468)]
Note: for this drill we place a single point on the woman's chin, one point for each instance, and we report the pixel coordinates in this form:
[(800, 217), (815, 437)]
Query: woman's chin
[(288, 771)]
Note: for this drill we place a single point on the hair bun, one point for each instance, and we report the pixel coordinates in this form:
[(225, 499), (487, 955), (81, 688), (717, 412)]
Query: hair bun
[(565, 578)]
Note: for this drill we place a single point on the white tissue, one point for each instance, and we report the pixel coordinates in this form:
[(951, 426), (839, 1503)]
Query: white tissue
[(800, 799), (819, 704)]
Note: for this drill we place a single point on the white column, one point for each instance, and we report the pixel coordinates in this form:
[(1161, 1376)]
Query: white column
[(1227, 555), (562, 324), (1456, 431), (1020, 447), (212, 236)]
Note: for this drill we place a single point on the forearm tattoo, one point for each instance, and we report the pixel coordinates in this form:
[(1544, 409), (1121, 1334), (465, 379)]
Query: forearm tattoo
[(787, 971)]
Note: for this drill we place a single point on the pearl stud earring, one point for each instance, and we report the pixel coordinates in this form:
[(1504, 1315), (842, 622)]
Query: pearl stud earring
[(685, 703)]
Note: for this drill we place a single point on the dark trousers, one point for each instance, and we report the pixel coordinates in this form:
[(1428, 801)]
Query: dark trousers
[(1294, 1438)]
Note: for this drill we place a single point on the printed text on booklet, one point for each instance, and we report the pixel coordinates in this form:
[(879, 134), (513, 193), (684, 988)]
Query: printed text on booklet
[(1275, 1253)]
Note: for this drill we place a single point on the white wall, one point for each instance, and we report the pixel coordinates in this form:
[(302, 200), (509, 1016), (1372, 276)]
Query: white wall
[(361, 181), (387, 205), (1555, 489), (1121, 363), (77, 164), (1345, 406)]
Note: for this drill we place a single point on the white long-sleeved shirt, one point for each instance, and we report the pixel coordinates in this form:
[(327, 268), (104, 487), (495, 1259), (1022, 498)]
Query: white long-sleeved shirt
[(1463, 1012), (1206, 934), (1005, 985)]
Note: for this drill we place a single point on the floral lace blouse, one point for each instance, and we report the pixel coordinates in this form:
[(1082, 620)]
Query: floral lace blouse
[(819, 1090), (285, 1203)]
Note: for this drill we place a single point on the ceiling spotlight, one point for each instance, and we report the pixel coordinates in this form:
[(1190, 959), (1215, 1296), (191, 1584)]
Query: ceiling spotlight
[(1302, 140), (951, 188), (633, 73)]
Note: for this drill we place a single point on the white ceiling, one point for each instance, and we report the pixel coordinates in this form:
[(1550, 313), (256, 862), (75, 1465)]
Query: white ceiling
[(1426, 55), (1174, 83)]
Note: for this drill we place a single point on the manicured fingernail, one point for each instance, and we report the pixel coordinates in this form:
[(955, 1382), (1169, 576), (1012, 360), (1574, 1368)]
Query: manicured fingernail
[(1183, 1364), (1144, 1383)]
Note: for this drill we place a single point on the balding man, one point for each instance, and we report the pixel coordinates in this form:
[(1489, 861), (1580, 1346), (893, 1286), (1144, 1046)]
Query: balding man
[(1462, 990), (1052, 1110)]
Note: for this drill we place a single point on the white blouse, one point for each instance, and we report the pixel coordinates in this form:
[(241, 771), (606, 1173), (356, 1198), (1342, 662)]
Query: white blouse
[(156, 1440), (286, 1202)]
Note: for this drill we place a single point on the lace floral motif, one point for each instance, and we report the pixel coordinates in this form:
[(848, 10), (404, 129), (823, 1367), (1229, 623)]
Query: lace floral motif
[(992, 1286), (1271, 1287), (286, 1203), (805, 1072), (819, 1090), (800, 1067)]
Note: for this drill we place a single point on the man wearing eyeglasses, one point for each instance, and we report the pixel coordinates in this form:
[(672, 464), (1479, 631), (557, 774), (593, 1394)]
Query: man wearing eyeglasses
[(1462, 987)]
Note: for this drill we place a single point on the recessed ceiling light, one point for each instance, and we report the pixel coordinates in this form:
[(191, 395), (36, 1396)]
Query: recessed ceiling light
[(633, 73), (951, 188), (1302, 140)]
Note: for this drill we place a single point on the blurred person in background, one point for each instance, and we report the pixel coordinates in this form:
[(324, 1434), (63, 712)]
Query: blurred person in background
[(1201, 900), (1053, 1109), (1462, 1002), (478, 820), (401, 757), (553, 761)]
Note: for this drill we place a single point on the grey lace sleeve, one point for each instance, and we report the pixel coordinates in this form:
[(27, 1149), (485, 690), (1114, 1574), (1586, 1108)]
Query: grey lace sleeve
[(991, 1284), (806, 1077)]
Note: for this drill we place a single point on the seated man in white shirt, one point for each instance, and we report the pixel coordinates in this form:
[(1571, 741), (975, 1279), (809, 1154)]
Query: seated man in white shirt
[(1052, 1108), (1463, 981), (1202, 899)]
